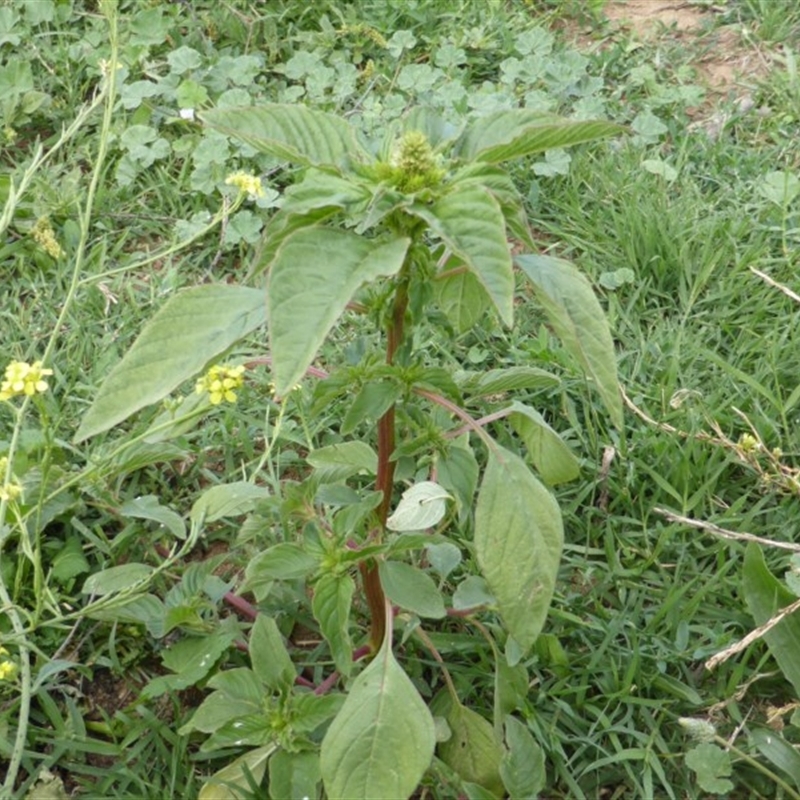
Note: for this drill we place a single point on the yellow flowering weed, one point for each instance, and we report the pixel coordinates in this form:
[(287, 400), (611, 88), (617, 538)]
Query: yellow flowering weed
[(220, 382), (246, 182), (22, 378)]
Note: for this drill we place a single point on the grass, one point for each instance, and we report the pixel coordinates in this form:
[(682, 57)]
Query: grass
[(702, 342)]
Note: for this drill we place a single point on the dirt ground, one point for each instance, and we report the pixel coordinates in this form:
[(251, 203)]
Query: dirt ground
[(731, 63)]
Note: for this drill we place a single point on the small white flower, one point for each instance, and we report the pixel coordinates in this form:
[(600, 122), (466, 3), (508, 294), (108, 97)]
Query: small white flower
[(187, 113)]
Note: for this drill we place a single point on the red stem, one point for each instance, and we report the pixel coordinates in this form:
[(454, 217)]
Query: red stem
[(373, 591)]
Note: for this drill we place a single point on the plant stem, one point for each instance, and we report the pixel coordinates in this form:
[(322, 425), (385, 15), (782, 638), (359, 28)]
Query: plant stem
[(373, 591)]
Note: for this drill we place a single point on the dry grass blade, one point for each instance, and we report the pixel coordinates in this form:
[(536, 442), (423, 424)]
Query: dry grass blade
[(751, 637), (724, 533)]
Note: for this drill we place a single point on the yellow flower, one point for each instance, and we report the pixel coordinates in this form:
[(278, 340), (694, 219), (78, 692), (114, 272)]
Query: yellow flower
[(43, 234), (245, 182), (24, 378), (220, 382), (8, 492), (7, 670)]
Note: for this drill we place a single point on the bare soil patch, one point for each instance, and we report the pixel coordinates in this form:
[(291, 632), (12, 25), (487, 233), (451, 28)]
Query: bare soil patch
[(728, 63)]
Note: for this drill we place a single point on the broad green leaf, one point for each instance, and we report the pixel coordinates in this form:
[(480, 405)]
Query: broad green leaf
[(444, 558), (331, 604), (712, 765), (462, 298), (320, 189), (218, 786), (510, 689), (421, 506), (779, 751), (116, 579), (458, 473), (410, 588), (191, 660), (143, 609), (510, 379), (217, 710), (522, 765), (469, 221), (550, 455), (69, 561), (293, 775), (472, 592), (518, 541), (310, 710), (148, 507), (577, 318), (437, 130), (240, 684), (337, 462), (284, 561), (373, 399), (509, 134), (191, 328), (293, 132), (268, 655), (314, 276), (227, 500), (765, 595), (280, 226), (381, 742), (472, 750), (503, 189)]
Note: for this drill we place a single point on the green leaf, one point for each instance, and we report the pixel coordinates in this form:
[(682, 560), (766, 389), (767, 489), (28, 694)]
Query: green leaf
[(372, 400), (514, 133), (218, 786), (552, 458), (411, 589), (462, 299), (421, 506), (271, 661), (510, 688), (192, 328), (216, 710), (381, 742), (782, 754), (472, 749), (577, 318), (511, 379), (240, 684), (227, 500), (444, 558), (469, 221), (69, 561), (116, 579), (333, 598), (518, 541), (522, 765), (437, 130), (191, 660), (310, 710), (148, 507), (458, 473), (292, 132), (337, 462), (293, 775), (472, 592), (712, 765), (503, 189), (314, 276), (144, 609), (765, 595), (319, 190), (284, 561)]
